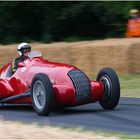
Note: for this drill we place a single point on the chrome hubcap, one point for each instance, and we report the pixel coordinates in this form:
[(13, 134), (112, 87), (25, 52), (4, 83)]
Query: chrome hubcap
[(107, 87), (39, 94)]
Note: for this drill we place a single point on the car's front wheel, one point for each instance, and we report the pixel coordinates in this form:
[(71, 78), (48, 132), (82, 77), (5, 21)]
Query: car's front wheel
[(111, 84), (42, 94)]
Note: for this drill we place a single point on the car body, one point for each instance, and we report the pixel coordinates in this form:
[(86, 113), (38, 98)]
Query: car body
[(48, 85)]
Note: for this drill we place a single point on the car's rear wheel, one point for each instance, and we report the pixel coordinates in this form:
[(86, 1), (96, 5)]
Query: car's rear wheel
[(111, 84), (42, 94)]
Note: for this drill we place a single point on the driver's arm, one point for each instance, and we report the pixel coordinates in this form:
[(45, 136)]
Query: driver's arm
[(14, 66)]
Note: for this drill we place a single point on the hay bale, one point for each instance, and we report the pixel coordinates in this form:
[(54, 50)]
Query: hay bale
[(90, 56)]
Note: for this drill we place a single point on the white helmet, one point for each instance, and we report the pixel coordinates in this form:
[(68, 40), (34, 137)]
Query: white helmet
[(22, 47)]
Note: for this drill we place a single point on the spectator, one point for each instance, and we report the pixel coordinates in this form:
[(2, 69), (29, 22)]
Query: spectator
[(133, 25)]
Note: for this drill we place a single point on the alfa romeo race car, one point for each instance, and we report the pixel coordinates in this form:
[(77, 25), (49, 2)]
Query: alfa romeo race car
[(48, 85)]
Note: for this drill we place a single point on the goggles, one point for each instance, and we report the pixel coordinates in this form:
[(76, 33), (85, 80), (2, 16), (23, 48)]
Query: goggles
[(26, 50)]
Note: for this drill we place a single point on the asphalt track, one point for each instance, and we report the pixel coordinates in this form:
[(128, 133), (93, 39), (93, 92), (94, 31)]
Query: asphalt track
[(125, 118)]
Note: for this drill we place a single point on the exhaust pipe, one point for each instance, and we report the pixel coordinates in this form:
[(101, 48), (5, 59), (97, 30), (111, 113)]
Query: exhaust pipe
[(12, 98)]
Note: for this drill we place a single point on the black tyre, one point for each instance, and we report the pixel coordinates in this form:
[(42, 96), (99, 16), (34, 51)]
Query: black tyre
[(42, 94), (112, 88)]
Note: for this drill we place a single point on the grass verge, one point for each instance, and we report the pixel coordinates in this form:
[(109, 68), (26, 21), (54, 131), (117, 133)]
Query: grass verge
[(130, 85)]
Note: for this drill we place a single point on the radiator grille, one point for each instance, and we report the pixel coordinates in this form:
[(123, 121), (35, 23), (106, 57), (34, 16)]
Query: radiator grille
[(81, 84)]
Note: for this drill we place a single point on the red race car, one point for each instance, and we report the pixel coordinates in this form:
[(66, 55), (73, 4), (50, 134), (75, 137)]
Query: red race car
[(48, 85)]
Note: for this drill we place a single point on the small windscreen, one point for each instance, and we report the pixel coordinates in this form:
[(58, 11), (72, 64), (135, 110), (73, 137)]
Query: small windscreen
[(34, 54)]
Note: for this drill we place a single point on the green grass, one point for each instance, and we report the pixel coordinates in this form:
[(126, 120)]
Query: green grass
[(130, 85), (118, 135)]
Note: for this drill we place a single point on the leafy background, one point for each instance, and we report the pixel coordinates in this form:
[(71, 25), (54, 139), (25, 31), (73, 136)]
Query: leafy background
[(63, 21)]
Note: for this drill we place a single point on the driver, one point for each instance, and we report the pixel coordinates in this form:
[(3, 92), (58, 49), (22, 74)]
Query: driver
[(23, 51)]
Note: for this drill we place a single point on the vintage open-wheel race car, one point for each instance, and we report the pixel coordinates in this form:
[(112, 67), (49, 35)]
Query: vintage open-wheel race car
[(48, 85)]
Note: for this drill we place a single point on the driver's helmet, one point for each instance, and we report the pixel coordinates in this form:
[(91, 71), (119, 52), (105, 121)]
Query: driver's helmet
[(23, 48)]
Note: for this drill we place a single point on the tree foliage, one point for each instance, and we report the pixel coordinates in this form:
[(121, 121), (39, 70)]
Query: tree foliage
[(55, 21)]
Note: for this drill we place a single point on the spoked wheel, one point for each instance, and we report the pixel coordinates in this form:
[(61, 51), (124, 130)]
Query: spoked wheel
[(42, 94), (111, 84)]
